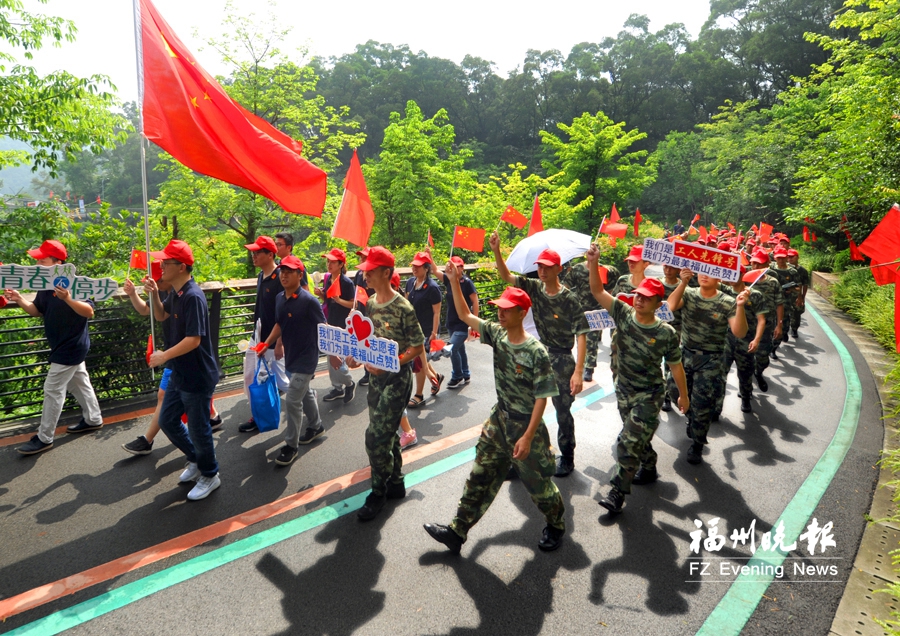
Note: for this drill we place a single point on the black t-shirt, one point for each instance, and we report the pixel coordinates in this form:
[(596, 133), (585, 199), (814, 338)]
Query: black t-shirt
[(468, 288), (195, 371), (266, 290), (164, 330), (66, 331), (422, 300), (359, 279), (299, 317), (337, 313)]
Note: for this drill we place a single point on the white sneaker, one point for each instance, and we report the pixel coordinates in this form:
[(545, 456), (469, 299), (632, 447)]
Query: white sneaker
[(191, 472), (205, 485)]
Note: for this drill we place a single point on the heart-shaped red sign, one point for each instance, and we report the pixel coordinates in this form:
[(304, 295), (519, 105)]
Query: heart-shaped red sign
[(628, 299), (360, 326)]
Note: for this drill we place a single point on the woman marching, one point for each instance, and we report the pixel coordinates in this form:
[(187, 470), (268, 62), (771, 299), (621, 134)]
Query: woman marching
[(425, 295)]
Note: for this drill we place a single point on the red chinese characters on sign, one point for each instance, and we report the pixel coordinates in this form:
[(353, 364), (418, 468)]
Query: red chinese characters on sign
[(694, 252)]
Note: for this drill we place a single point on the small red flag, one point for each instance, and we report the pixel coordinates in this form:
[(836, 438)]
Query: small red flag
[(615, 230), (430, 240), (744, 260), (537, 222), (149, 347), (765, 231), (514, 217), (156, 270), (731, 227), (362, 297), (437, 345), (614, 214), (334, 290), (99, 202), (692, 230), (637, 221), (753, 275), (703, 234), (138, 259), (696, 218), (754, 228), (470, 238), (806, 234), (356, 217), (814, 237), (604, 274)]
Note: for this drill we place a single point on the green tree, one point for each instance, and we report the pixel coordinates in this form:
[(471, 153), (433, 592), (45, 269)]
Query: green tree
[(680, 189)]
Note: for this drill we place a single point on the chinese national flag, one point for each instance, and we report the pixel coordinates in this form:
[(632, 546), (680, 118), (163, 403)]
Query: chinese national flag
[(430, 240), (753, 275), (334, 290), (765, 231), (149, 348), (614, 214), (514, 217), (604, 274), (188, 114), (692, 230), (155, 270), (470, 238), (362, 297), (537, 222), (637, 221), (615, 230), (744, 260), (138, 259), (696, 218), (355, 217), (883, 247)]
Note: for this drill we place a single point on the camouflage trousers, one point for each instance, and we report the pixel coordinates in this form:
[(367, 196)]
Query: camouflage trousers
[(787, 318), (736, 353), (640, 418), (593, 344), (766, 344), (796, 314), (388, 396), (704, 382), (671, 386), (563, 365), (493, 456)]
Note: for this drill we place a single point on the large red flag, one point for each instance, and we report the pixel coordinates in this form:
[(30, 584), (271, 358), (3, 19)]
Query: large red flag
[(883, 247), (637, 221), (537, 222), (356, 217), (615, 230), (188, 114), (468, 238), (514, 217)]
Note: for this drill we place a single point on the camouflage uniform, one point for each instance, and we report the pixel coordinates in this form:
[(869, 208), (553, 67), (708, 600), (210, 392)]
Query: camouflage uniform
[(577, 278), (771, 289), (522, 374), (704, 325), (639, 389), (790, 287), (390, 392), (736, 349), (798, 311), (671, 387), (558, 319)]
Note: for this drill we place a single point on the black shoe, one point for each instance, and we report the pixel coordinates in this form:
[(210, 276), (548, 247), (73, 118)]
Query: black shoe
[(774, 354), (551, 539), (334, 395), (695, 453), (248, 427), (349, 392), (140, 446), (364, 381), (761, 381), (445, 535), (785, 337), (794, 333), (715, 417), (456, 384), (613, 501), (687, 431), (564, 466), (215, 423), (396, 491), (310, 434), (667, 404), (467, 380), (511, 474), (587, 377), (34, 446), (287, 456), (83, 427), (745, 405), (645, 476), (374, 504)]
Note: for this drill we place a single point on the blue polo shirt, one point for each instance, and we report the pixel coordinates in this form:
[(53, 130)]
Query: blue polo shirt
[(195, 371), (299, 317), (337, 314), (468, 288), (267, 289), (66, 331)]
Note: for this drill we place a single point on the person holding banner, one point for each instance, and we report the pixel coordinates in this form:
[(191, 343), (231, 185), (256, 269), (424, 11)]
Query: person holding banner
[(770, 288), (645, 341), (706, 315), (297, 317), (338, 294), (514, 433), (66, 330), (393, 318), (559, 319)]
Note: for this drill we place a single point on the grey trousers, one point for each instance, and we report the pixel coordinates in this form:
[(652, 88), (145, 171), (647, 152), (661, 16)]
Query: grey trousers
[(339, 377), (299, 400), (62, 378)]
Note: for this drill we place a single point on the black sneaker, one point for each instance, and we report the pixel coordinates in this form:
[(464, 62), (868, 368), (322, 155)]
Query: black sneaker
[(287, 456), (794, 333), (774, 354), (396, 491), (374, 504), (310, 434), (613, 501), (349, 392), (645, 476), (587, 377), (215, 423), (667, 404), (761, 381), (248, 427), (551, 539), (695, 453), (140, 446), (455, 384), (83, 427), (34, 446), (333, 395), (445, 535), (467, 380), (364, 381), (745, 405), (564, 466)]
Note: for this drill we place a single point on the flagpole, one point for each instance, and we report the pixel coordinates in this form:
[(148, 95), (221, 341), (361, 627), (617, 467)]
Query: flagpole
[(139, 63), (452, 241)]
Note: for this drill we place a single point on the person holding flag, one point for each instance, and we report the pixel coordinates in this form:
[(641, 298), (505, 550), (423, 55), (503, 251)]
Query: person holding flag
[(338, 294), (459, 330)]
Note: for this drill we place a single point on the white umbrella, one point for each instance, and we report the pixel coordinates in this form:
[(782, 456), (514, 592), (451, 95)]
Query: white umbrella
[(566, 243)]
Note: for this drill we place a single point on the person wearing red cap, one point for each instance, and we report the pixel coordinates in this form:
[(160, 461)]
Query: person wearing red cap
[(395, 319), (195, 371), (771, 288), (425, 296), (66, 330), (268, 286), (514, 433), (626, 284), (791, 287), (645, 342), (459, 331), (337, 308), (799, 307), (671, 280), (359, 280), (706, 315), (559, 320)]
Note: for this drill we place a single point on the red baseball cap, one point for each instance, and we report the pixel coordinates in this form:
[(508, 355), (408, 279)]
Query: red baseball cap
[(177, 251), (263, 243), (513, 297), (456, 260), (378, 256), (53, 249), (292, 262), (793, 252), (759, 256), (780, 253), (363, 252), (421, 258), (395, 281), (336, 254), (635, 254), (549, 258), (651, 287)]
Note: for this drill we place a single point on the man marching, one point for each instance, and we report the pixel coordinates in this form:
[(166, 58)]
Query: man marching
[(771, 289)]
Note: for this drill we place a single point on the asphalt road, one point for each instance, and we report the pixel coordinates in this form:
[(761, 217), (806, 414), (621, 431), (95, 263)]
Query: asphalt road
[(314, 569)]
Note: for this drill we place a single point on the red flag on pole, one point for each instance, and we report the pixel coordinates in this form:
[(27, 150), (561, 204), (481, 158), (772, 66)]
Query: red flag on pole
[(470, 238), (355, 217), (430, 240), (614, 214), (514, 217), (696, 218), (604, 274), (765, 231), (637, 221), (537, 223), (731, 227), (149, 347), (806, 234), (883, 247), (702, 229), (362, 296), (188, 114), (138, 260), (753, 275), (615, 230), (334, 289)]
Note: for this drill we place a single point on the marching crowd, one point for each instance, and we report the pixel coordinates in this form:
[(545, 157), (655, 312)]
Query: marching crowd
[(715, 325)]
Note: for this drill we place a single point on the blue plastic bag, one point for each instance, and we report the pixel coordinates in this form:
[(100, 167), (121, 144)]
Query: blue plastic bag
[(265, 403)]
